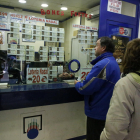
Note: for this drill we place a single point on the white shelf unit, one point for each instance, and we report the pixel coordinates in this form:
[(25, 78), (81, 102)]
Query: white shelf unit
[(43, 51), (52, 72), (56, 54), (27, 32), (87, 37), (91, 54), (30, 54)]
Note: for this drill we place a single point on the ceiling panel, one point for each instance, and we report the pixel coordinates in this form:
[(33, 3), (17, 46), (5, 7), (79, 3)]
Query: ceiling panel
[(5, 0), (90, 5), (4, 3), (51, 5), (52, 1), (17, 4), (72, 5)]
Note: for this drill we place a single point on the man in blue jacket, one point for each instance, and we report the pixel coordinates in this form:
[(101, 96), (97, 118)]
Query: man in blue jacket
[(98, 87)]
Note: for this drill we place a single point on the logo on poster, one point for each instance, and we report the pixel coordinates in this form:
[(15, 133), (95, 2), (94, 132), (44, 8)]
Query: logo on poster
[(121, 31), (126, 32), (33, 129)]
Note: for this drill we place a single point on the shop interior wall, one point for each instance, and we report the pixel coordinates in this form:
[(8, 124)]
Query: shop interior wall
[(92, 23), (37, 44), (67, 25)]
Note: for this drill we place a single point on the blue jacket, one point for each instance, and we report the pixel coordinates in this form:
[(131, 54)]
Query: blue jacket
[(98, 85)]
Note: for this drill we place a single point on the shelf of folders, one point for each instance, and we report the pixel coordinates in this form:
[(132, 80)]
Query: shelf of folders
[(87, 37), (22, 52), (92, 54), (53, 72), (56, 54), (16, 50), (27, 31), (42, 33), (43, 51), (14, 30)]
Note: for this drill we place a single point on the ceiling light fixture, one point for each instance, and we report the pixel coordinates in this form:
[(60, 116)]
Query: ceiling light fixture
[(22, 1), (92, 14), (44, 5), (64, 8)]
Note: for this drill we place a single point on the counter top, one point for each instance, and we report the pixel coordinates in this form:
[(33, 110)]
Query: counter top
[(23, 96), (30, 87)]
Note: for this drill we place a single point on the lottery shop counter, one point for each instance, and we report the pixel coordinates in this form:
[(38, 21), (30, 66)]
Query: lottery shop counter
[(23, 96)]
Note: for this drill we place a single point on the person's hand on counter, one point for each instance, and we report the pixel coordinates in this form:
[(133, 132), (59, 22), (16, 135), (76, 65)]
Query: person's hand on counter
[(75, 82)]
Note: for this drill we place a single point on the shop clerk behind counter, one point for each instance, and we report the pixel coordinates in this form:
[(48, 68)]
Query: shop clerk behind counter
[(98, 87)]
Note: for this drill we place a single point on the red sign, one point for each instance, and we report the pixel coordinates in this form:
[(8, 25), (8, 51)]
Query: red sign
[(80, 14), (53, 12), (37, 75), (3, 14), (121, 31), (84, 72)]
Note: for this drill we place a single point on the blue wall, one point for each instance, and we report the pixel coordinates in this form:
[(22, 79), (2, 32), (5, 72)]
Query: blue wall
[(106, 16)]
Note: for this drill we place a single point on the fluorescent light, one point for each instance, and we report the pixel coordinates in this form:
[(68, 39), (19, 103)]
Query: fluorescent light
[(92, 14), (22, 1), (44, 5), (64, 8)]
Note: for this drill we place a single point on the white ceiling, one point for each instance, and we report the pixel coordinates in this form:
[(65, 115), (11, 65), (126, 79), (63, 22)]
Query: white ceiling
[(72, 5)]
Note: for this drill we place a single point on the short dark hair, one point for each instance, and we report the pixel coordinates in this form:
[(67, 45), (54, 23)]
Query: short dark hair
[(131, 59), (106, 41)]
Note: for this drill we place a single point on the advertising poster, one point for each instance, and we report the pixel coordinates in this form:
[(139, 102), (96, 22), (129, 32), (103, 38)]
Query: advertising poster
[(120, 45), (125, 31), (37, 75)]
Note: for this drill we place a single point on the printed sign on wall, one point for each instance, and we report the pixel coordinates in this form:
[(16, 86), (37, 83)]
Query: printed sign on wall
[(43, 20), (114, 6), (3, 16), (3, 26), (37, 75), (85, 27), (16, 18)]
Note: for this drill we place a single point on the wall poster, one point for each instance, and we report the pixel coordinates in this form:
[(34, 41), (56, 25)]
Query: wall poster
[(120, 46)]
